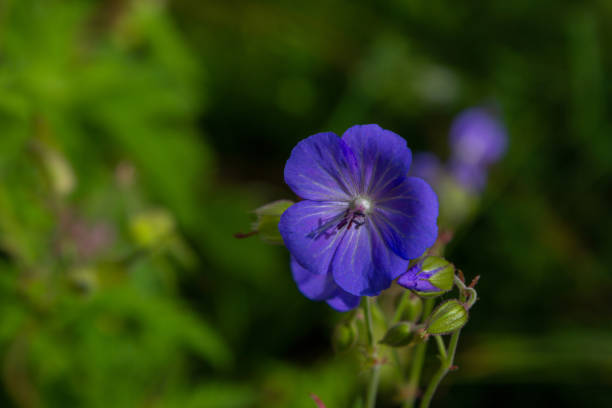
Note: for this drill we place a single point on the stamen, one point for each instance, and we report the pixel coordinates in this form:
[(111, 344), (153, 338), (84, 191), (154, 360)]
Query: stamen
[(355, 214), (323, 228)]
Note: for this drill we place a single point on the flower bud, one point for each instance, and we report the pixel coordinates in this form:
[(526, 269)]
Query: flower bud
[(430, 277), (398, 335), (151, 228), (344, 337), (267, 220), (58, 170), (447, 318)]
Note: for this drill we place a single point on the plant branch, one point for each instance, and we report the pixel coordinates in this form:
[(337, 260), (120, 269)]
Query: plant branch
[(445, 366), (417, 362), (373, 386)]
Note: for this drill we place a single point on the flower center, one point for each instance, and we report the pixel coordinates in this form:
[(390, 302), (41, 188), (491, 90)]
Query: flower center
[(361, 205), (355, 216), (356, 213)]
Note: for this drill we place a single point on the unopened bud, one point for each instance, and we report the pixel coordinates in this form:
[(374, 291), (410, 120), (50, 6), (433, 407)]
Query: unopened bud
[(151, 228), (398, 335), (344, 337), (450, 316), (268, 217), (58, 169), (430, 277)]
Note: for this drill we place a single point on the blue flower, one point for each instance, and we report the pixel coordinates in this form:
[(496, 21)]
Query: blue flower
[(362, 218), (477, 138)]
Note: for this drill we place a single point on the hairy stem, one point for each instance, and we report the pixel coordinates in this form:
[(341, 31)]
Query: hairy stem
[(447, 363), (441, 347), (400, 307), (418, 360), (373, 386)]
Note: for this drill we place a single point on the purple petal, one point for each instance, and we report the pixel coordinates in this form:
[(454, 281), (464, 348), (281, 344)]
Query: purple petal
[(322, 287), (313, 286), (406, 217), (383, 157), (343, 301), (309, 230), (322, 168), (362, 264)]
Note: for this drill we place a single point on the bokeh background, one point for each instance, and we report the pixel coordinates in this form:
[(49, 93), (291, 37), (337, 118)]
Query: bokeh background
[(137, 135)]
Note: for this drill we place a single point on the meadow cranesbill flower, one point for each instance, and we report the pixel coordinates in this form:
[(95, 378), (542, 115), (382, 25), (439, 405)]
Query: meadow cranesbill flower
[(362, 217), (477, 137)]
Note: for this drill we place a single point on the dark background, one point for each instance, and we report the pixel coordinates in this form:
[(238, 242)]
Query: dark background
[(137, 135)]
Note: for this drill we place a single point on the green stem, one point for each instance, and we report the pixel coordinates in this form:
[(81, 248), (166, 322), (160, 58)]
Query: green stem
[(441, 347), (373, 386), (417, 362), (400, 307), (396, 318), (447, 363), (368, 321), (469, 296)]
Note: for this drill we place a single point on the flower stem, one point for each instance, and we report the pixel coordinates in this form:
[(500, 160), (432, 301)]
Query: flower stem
[(373, 386), (469, 296), (400, 307), (417, 362), (368, 321), (441, 347), (447, 363)]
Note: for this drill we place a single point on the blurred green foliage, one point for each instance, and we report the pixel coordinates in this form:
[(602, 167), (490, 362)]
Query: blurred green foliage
[(137, 136)]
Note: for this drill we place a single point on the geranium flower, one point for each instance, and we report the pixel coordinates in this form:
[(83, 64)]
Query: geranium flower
[(362, 218), (477, 137)]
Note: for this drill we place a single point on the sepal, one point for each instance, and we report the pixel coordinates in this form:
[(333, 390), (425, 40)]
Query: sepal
[(267, 219)]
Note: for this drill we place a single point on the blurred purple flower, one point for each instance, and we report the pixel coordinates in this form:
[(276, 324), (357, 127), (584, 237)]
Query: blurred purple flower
[(87, 239), (362, 218), (428, 167), (471, 177), (477, 137)]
